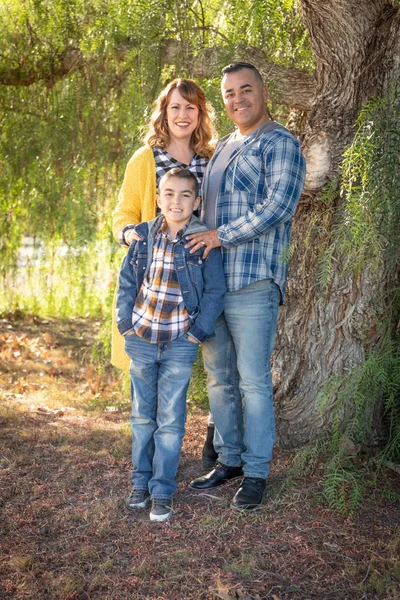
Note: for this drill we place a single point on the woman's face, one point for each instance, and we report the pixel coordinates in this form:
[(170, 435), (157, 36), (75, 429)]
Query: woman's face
[(182, 116)]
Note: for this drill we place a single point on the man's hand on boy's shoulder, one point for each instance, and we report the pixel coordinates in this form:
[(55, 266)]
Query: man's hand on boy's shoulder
[(204, 239)]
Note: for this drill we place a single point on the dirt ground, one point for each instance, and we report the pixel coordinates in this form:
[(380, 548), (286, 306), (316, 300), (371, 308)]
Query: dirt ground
[(66, 533)]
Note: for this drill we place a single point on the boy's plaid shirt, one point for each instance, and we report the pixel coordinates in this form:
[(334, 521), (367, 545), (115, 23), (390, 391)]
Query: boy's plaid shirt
[(159, 314), (256, 201)]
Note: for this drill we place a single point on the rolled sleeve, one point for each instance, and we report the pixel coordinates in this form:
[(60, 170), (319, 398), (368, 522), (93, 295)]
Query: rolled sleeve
[(121, 235)]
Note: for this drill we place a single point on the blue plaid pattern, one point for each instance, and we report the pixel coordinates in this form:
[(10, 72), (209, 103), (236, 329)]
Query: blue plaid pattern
[(257, 198)]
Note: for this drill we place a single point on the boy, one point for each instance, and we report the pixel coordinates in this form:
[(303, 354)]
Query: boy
[(167, 303)]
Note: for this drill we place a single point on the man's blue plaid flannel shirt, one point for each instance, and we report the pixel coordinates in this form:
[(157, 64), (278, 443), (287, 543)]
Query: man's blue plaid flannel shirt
[(257, 198)]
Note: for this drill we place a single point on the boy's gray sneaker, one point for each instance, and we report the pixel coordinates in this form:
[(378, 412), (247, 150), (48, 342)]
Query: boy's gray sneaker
[(161, 510), (138, 499)]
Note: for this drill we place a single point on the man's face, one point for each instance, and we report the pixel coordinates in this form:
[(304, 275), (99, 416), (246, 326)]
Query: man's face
[(245, 100)]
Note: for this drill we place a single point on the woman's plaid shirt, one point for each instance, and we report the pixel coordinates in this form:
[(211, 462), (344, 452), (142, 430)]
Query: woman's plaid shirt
[(159, 314)]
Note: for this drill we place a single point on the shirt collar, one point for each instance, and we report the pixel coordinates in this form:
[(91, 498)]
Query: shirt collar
[(163, 231)]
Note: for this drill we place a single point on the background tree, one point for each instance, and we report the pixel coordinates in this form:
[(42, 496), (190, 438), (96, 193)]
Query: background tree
[(356, 46)]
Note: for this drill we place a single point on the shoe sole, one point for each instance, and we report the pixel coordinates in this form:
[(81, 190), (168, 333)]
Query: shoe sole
[(246, 507), (159, 518)]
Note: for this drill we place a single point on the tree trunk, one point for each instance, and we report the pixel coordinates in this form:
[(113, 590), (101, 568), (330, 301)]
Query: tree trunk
[(357, 49), (356, 44)]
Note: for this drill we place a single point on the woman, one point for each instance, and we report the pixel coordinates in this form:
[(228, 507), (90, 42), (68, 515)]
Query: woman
[(180, 135)]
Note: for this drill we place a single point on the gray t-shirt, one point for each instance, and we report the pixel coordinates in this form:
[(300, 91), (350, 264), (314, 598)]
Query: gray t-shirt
[(216, 172), (215, 176)]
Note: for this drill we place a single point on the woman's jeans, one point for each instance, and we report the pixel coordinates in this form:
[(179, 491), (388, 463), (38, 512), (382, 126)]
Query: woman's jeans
[(237, 361), (160, 375)]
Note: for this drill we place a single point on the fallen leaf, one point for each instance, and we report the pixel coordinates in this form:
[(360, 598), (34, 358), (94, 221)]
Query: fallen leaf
[(222, 591)]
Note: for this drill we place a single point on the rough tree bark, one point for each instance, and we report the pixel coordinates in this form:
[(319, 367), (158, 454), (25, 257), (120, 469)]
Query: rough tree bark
[(357, 50), (293, 87)]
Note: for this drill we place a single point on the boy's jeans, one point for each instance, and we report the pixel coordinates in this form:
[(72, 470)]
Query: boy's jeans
[(160, 375), (239, 384)]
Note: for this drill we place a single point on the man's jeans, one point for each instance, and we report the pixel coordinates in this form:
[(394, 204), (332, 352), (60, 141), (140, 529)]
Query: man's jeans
[(239, 384), (160, 375)]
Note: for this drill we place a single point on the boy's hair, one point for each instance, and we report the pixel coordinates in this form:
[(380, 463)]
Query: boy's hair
[(181, 174), (238, 66)]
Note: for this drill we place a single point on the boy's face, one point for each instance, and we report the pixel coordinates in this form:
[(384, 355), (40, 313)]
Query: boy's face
[(177, 200)]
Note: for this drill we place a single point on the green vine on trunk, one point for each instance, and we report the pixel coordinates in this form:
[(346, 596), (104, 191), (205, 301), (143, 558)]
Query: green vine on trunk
[(363, 405)]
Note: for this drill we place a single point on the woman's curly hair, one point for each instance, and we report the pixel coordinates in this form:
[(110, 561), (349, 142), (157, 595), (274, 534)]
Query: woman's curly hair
[(202, 137)]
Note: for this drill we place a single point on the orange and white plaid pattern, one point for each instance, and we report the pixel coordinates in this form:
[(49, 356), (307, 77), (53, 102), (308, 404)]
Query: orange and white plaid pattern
[(159, 314)]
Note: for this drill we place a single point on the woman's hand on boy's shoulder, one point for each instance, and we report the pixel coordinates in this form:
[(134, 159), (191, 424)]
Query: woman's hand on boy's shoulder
[(131, 236)]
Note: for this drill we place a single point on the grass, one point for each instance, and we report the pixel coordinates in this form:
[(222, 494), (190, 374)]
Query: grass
[(66, 533), (57, 280)]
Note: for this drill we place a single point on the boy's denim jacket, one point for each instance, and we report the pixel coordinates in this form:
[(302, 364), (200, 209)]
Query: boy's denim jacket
[(202, 281)]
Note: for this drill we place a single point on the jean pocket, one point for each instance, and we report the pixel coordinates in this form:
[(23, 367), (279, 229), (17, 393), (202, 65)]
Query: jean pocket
[(185, 338), (130, 338)]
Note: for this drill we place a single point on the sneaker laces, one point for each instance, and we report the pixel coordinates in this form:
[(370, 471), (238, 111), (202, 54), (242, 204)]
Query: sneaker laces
[(162, 503)]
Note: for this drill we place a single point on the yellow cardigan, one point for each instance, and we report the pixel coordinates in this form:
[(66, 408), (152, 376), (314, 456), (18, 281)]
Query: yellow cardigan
[(137, 197), (136, 203)]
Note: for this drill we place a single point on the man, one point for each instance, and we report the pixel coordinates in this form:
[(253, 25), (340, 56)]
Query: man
[(251, 189)]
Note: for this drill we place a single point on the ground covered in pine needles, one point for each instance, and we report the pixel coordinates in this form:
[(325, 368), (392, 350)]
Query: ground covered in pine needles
[(66, 534)]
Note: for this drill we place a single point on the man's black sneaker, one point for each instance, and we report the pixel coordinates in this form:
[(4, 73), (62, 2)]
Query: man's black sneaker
[(250, 494), (218, 476)]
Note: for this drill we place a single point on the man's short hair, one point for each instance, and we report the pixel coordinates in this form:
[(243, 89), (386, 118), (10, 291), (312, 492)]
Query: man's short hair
[(181, 174), (238, 66)]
